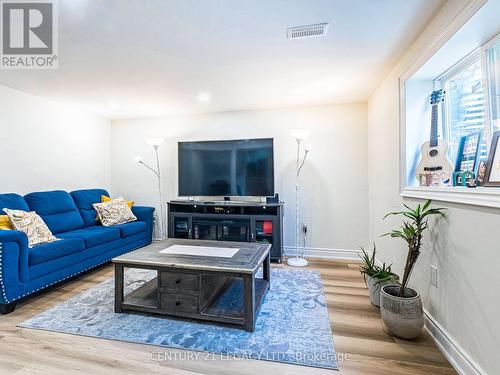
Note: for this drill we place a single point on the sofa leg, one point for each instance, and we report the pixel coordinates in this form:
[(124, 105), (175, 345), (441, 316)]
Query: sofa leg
[(7, 308)]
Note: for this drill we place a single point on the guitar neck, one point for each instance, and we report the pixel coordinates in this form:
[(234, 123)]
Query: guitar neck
[(433, 140)]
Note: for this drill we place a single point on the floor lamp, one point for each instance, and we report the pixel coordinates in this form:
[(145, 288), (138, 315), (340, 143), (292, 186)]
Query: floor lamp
[(299, 135), (156, 143)]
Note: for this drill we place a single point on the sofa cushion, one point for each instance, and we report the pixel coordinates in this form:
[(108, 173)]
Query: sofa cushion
[(93, 236), (52, 270), (49, 251), (84, 199), (12, 201), (129, 229), (57, 208)]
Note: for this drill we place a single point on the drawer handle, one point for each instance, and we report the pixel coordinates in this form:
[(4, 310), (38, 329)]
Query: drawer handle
[(178, 281), (178, 303)]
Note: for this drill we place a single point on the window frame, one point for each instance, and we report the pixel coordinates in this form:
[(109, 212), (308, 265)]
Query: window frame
[(487, 105)]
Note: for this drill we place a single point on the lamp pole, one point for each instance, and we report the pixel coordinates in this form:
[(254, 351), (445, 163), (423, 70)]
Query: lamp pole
[(156, 143), (163, 231), (299, 135)]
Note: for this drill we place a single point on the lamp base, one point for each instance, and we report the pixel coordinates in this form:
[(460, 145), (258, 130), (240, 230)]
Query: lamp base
[(297, 262)]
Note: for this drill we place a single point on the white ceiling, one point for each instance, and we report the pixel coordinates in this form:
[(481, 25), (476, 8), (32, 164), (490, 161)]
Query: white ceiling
[(131, 58)]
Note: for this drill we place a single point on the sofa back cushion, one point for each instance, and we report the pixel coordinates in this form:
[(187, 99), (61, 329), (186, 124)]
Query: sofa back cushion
[(84, 200), (13, 202), (57, 209)]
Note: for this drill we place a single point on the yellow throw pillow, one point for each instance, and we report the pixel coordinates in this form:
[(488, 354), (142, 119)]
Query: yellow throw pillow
[(107, 199), (5, 223)]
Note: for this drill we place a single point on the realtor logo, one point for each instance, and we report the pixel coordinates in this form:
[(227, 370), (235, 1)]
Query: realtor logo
[(29, 31)]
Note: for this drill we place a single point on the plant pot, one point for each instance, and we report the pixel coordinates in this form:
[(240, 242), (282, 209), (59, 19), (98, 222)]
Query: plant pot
[(374, 287), (403, 316)]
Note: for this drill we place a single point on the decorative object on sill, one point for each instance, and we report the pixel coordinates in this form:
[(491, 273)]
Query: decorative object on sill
[(471, 183), (481, 173), (434, 159), (375, 276), (156, 143), (425, 179), (299, 135), (468, 151), (401, 306), (492, 177), (463, 178)]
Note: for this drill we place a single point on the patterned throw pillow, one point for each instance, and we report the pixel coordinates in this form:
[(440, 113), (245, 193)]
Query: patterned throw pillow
[(31, 224), (115, 211), (105, 198)]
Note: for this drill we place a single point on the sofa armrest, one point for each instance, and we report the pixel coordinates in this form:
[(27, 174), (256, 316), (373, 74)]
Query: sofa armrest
[(145, 214), (14, 236), (13, 263)]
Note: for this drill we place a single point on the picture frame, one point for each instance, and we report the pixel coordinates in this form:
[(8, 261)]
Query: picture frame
[(492, 177), (468, 152), (481, 173)]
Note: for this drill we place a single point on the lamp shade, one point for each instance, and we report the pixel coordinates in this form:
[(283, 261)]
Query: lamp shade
[(308, 147), (138, 159), (157, 141), (300, 134)]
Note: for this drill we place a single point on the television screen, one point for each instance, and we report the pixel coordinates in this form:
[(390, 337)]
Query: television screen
[(226, 168)]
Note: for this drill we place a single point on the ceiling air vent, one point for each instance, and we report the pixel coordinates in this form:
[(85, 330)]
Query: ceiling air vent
[(307, 31)]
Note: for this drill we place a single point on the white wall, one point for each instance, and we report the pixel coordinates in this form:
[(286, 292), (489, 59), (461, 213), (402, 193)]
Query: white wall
[(46, 146), (465, 249), (334, 184)]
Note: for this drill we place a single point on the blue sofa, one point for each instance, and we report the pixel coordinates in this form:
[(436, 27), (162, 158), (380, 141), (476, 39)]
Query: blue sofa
[(83, 244)]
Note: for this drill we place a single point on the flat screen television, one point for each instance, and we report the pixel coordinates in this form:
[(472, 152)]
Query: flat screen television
[(226, 168)]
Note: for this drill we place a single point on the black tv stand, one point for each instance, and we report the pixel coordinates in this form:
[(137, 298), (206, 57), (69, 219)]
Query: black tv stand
[(228, 221)]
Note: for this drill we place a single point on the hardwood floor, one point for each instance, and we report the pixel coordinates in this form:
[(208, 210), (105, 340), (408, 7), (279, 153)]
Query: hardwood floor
[(357, 329)]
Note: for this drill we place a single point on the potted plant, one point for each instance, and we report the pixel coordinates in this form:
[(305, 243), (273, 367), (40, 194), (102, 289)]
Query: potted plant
[(375, 276), (401, 306)]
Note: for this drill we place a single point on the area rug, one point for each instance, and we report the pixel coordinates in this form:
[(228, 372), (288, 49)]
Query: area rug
[(292, 325)]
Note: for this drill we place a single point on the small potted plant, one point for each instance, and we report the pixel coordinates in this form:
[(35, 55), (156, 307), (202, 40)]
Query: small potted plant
[(375, 276), (401, 306)]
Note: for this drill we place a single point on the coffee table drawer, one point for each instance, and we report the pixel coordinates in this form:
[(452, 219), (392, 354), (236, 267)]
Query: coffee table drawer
[(179, 281), (179, 303)]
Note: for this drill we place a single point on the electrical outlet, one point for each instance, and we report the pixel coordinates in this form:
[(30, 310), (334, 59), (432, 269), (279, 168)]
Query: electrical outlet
[(434, 276), (304, 228)]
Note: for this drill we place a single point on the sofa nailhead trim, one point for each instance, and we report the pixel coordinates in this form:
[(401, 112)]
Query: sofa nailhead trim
[(4, 295)]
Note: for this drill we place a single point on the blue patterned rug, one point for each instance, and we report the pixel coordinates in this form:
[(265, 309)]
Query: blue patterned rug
[(292, 325)]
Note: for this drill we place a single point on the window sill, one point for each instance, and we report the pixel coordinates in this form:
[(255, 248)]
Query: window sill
[(480, 196)]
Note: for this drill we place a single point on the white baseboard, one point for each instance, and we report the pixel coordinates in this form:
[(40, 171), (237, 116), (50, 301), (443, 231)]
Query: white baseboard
[(455, 354), (323, 253)]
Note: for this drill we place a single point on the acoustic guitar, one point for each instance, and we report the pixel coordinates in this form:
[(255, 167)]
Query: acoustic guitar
[(435, 168)]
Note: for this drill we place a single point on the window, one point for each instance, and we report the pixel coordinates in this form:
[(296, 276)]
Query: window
[(466, 85), (465, 106), (467, 67)]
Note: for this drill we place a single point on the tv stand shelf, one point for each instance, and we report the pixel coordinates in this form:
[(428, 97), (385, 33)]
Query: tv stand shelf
[(228, 221)]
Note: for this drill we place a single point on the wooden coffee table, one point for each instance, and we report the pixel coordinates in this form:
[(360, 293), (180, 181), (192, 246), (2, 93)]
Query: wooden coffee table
[(218, 289)]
